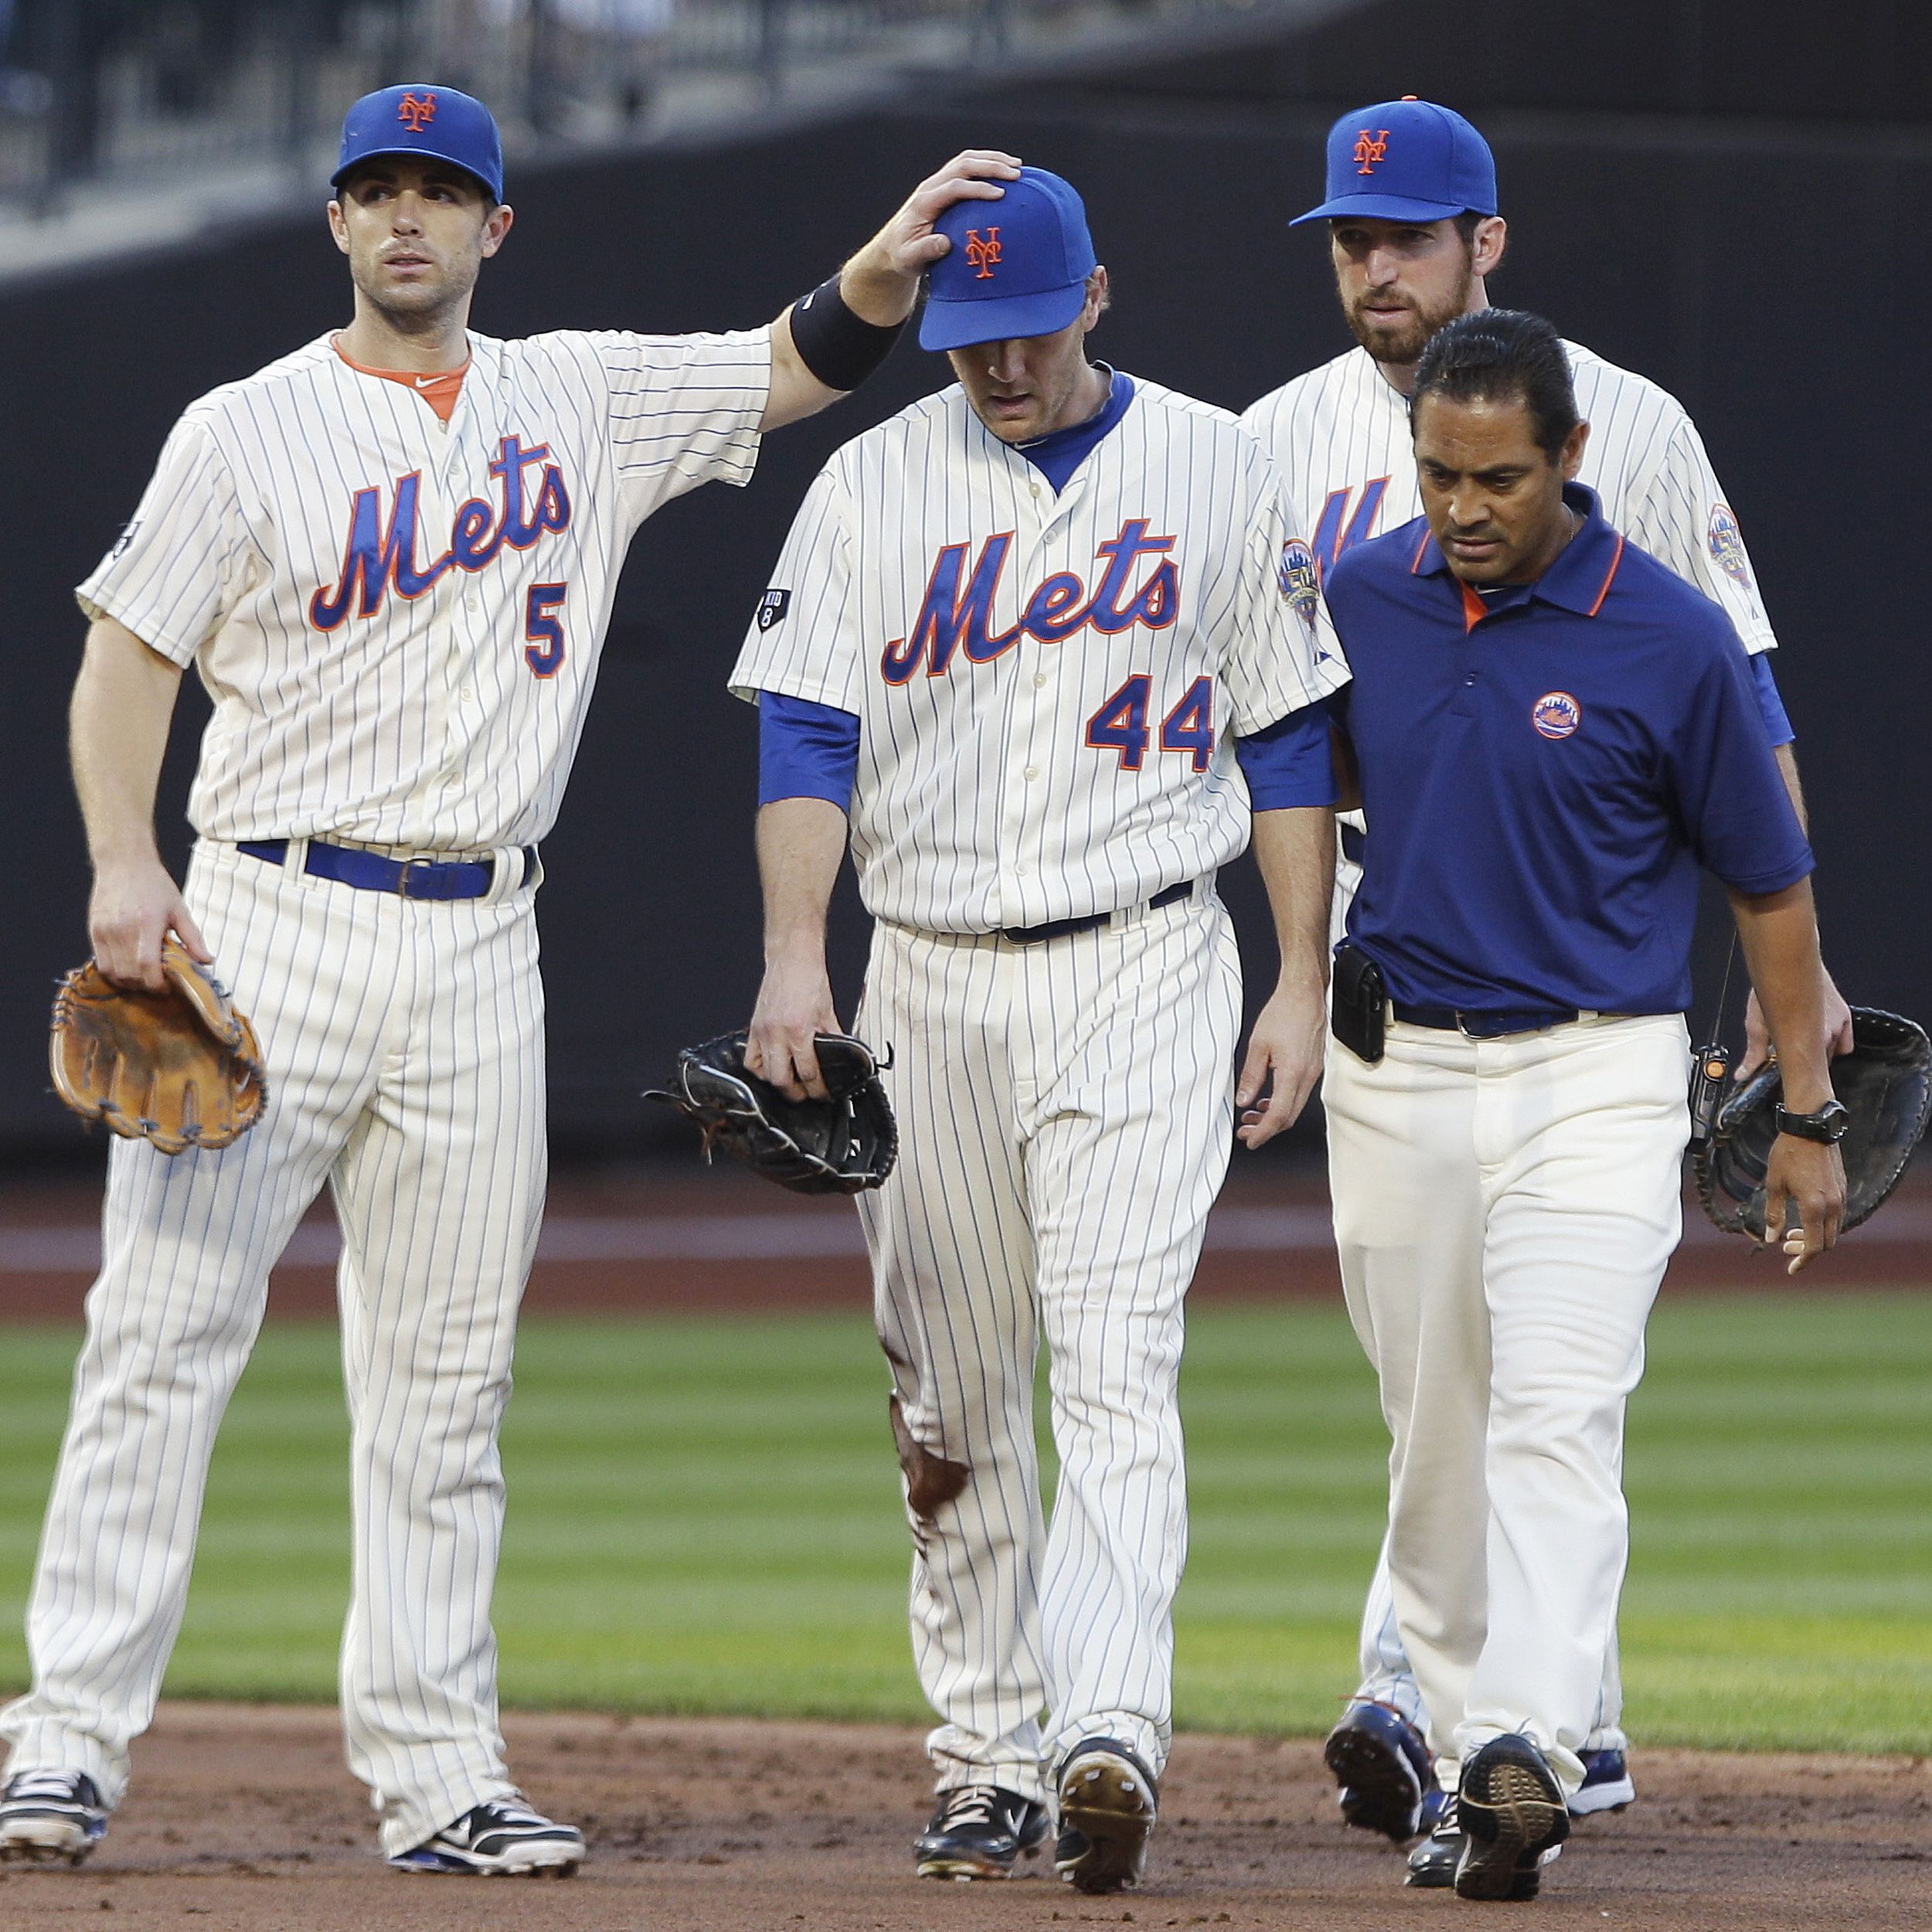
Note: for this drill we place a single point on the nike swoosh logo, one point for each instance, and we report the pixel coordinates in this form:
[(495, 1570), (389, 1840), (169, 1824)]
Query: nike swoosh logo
[(423, 381)]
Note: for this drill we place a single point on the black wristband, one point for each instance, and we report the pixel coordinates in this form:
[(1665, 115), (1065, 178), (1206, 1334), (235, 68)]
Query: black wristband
[(842, 349)]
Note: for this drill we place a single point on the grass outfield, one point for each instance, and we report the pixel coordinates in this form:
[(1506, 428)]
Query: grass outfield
[(704, 1517)]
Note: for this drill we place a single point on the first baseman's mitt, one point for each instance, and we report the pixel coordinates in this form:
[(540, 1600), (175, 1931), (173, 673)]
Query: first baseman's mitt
[(180, 1067), (843, 1145), (1885, 1084)]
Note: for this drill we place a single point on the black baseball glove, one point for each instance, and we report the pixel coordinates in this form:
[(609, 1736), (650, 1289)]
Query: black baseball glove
[(843, 1145), (1885, 1084)]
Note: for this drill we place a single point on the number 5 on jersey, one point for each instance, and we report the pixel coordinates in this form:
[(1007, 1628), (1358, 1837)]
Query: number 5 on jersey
[(544, 628), (1121, 724)]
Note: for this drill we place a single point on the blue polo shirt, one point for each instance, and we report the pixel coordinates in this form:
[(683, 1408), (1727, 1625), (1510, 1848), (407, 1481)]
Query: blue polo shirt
[(1544, 768)]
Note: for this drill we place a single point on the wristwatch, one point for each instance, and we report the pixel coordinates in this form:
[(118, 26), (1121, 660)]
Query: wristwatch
[(1828, 1125)]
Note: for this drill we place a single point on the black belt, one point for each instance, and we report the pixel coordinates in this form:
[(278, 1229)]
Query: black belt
[(1355, 842), (1059, 928), (410, 878), (1446, 1019)]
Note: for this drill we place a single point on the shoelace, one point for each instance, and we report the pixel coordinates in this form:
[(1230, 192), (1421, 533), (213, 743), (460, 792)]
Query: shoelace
[(512, 1809), (972, 1805), (63, 1785), (1446, 1826)]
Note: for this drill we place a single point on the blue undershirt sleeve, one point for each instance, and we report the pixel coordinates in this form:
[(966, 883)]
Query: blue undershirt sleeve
[(1287, 763), (805, 751), (1769, 702)]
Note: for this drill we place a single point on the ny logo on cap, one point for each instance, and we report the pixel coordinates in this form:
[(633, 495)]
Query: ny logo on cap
[(1369, 149), (414, 110), (982, 251)]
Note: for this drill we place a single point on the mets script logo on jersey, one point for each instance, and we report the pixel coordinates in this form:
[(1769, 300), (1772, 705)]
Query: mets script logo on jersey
[(1370, 149), (380, 556), (982, 252), (1727, 544), (955, 616), (1300, 583), (415, 111), (1555, 714)]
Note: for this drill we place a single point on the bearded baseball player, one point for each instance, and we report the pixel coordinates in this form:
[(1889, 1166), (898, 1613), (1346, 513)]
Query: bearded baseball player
[(1032, 646), (1414, 232), (391, 555), (1553, 731)]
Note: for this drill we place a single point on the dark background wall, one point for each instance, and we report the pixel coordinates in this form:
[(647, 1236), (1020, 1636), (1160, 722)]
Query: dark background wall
[(1732, 199)]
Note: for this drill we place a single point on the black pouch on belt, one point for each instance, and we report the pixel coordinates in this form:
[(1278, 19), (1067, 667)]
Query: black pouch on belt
[(1360, 1002)]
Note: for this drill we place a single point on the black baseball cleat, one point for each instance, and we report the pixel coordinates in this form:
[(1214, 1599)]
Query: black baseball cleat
[(1107, 1800), (501, 1839), (1380, 1761), (1432, 1865), (48, 1816), (978, 1831), (1513, 1818)]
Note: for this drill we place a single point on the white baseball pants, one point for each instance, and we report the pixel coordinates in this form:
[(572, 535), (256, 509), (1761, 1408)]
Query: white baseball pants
[(1386, 1677), (403, 1042), (1066, 1111), (1504, 1211)]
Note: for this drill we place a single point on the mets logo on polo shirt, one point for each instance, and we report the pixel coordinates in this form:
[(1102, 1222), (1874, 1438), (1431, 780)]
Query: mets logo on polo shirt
[(1555, 714), (1727, 544), (1299, 581)]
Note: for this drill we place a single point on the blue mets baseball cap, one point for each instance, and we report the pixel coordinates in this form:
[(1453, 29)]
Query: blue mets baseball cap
[(1017, 266), (434, 123), (1406, 160)]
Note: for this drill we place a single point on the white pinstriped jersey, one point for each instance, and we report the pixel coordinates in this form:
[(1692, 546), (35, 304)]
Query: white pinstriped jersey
[(401, 623), (1048, 687), (1340, 435)]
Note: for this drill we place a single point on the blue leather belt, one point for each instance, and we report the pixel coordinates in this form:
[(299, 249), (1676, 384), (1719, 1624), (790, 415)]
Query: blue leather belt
[(1059, 928), (1446, 1019), (408, 878)]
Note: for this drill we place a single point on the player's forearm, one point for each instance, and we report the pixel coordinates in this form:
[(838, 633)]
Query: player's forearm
[(123, 702), (800, 843), (1778, 933), (1295, 851)]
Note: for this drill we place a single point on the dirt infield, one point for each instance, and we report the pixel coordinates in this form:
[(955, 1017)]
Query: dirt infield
[(677, 1238), (242, 1820)]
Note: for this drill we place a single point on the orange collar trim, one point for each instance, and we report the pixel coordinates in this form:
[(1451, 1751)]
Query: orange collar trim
[(440, 390)]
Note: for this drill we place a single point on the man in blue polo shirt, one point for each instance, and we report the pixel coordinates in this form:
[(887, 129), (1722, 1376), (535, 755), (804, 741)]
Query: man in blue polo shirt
[(1552, 733)]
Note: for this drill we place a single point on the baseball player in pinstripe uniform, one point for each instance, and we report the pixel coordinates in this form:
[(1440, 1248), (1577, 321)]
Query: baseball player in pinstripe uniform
[(391, 555), (1033, 641), (1414, 230)]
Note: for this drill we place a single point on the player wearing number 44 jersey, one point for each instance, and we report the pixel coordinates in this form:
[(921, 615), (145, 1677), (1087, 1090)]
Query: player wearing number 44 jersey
[(1033, 638), (392, 556), (1413, 229)]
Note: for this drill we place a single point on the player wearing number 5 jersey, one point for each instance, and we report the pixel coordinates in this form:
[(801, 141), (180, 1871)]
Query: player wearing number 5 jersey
[(1042, 638), (391, 555), (1411, 209)]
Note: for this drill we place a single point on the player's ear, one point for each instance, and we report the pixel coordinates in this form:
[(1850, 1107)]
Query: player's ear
[(1573, 454), (1100, 297), (1487, 245), (336, 226), (496, 225)]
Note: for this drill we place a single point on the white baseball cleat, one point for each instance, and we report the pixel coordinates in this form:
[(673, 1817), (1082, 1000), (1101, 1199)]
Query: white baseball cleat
[(503, 1838), (46, 1816)]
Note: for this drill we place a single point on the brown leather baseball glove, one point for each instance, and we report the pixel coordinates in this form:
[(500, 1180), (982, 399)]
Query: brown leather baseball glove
[(180, 1067)]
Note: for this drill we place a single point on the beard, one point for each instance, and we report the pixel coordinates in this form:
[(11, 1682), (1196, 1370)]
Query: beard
[(1402, 342)]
